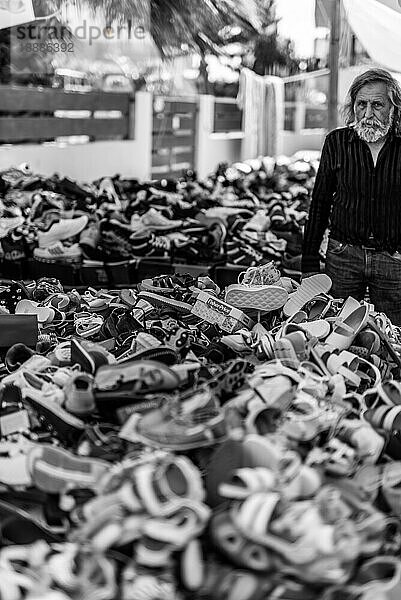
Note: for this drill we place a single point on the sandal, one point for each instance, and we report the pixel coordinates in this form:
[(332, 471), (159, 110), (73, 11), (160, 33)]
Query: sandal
[(345, 330), (236, 546), (292, 349), (223, 582), (336, 458), (379, 574), (87, 324), (247, 481), (318, 307), (295, 530)]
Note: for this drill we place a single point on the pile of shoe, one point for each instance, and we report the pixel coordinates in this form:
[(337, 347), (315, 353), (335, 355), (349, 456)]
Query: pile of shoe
[(240, 216), (175, 440)]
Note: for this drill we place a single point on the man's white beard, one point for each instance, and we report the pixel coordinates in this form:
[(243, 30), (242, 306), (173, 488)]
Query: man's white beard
[(376, 130)]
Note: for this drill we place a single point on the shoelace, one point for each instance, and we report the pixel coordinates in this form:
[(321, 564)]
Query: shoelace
[(87, 324), (262, 275), (251, 252), (161, 242)]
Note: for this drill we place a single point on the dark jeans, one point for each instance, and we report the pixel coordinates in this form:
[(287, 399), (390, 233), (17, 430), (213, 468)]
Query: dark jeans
[(353, 270)]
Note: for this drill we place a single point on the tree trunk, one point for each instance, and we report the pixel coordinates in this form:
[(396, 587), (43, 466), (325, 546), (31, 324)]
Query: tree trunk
[(203, 75)]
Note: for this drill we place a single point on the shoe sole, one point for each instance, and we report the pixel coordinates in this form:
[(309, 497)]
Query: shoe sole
[(157, 300), (61, 259), (309, 288), (266, 298), (165, 355)]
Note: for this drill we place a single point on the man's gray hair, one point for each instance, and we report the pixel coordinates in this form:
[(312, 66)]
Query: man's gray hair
[(374, 76)]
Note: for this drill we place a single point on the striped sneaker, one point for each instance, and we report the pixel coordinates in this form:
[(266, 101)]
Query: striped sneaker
[(240, 254), (59, 253)]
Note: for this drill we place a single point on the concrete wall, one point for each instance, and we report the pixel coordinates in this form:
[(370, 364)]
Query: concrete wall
[(86, 162), (213, 148), (129, 158), (133, 158)]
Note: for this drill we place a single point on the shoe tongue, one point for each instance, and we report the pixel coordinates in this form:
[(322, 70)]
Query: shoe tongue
[(98, 358), (145, 341)]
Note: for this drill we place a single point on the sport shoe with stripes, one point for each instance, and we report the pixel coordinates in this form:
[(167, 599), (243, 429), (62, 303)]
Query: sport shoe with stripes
[(59, 253)]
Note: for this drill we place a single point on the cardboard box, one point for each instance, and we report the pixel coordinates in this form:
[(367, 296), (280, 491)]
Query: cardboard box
[(216, 311)]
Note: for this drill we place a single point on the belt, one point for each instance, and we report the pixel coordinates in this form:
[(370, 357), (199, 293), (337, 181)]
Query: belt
[(370, 247), (374, 246)]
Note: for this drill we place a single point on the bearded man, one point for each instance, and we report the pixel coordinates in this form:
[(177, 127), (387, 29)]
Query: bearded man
[(357, 194)]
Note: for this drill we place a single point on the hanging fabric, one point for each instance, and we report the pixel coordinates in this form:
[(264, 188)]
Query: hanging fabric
[(261, 99), (16, 12), (377, 27)]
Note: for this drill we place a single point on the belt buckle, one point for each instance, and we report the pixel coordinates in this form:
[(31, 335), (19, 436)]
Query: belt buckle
[(367, 247)]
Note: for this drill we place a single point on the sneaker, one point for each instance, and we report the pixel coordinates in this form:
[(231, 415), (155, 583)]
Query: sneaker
[(291, 265), (155, 246), (259, 222), (14, 248), (195, 423), (267, 274), (43, 201), (7, 224), (63, 230), (89, 240), (115, 248), (188, 250), (258, 289), (240, 254), (68, 427), (16, 355), (265, 298), (79, 397), (59, 252), (277, 215), (153, 221)]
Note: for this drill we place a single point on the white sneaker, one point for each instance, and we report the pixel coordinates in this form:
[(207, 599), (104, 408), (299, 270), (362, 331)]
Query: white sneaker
[(35, 364), (59, 252), (64, 229), (9, 223), (153, 220), (259, 222)]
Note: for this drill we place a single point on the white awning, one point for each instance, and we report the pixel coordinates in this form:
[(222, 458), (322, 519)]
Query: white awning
[(378, 28), (16, 12)]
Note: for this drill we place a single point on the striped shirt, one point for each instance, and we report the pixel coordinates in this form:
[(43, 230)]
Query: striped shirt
[(356, 199)]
